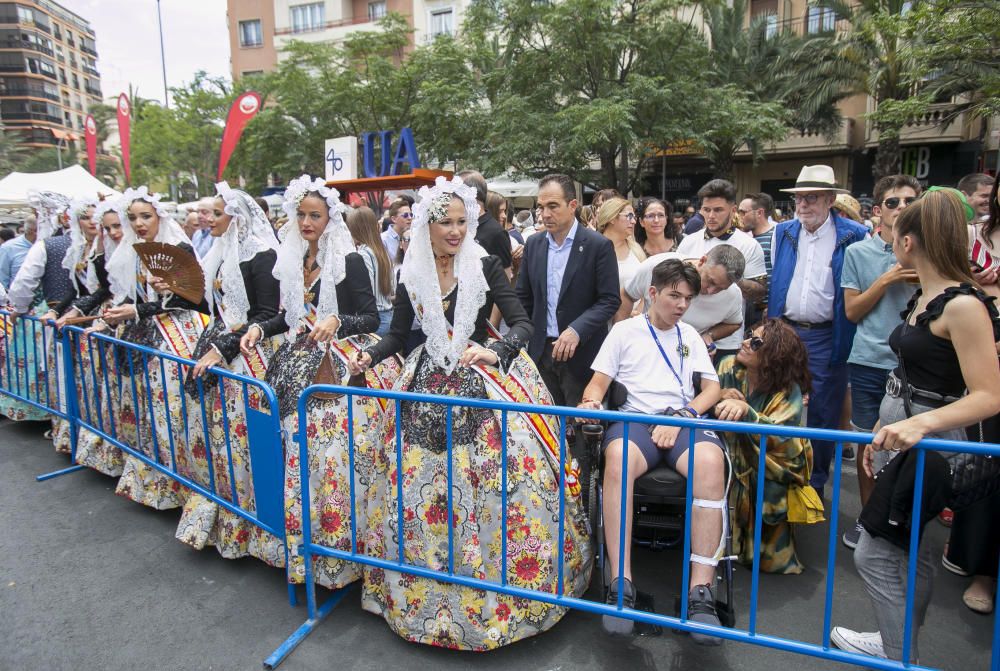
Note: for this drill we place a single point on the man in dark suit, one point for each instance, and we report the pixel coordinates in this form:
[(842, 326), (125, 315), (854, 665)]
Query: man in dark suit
[(490, 234), (568, 283)]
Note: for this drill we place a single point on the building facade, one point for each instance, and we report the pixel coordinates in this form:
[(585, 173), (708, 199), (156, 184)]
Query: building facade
[(260, 29), (48, 71)]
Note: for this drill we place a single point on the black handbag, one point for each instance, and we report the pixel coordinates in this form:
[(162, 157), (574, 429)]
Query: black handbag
[(974, 477)]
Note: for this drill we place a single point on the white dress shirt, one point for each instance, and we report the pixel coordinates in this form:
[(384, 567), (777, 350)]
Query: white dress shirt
[(558, 258), (811, 292)]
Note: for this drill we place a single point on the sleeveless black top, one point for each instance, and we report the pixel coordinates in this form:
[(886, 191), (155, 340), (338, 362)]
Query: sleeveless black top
[(931, 361)]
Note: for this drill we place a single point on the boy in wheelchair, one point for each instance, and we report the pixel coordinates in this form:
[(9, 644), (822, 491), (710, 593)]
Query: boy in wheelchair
[(655, 357)]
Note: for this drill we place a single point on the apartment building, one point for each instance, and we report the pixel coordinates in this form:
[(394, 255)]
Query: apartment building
[(260, 29), (48, 71), (935, 148)]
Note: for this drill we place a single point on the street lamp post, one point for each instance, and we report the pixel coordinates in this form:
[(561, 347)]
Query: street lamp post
[(163, 58)]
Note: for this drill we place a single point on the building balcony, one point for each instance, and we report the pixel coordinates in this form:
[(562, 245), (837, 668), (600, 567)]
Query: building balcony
[(93, 91), (91, 71), (10, 91), (31, 116), (329, 31), (88, 51), (26, 45), (812, 142), (940, 124)]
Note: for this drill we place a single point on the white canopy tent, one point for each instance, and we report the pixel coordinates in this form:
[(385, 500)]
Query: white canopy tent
[(511, 189), (74, 182)]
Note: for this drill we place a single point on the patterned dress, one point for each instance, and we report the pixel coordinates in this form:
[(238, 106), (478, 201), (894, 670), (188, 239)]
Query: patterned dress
[(294, 368), (435, 613), (789, 464), (153, 390), (23, 370), (224, 416)]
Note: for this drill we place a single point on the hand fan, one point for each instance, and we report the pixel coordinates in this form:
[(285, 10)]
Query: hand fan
[(179, 269)]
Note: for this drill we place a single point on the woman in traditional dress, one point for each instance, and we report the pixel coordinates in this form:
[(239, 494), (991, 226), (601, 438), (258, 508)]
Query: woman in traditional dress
[(764, 383), (241, 289), (329, 310), (450, 285), (146, 312), (103, 382)]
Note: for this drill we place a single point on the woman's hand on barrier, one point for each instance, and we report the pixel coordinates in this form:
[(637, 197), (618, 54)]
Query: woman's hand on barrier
[(119, 314), (72, 312), (900, 435), (868, 462), (664, 437), (733, 394), (589, 404), (731, 410), (99, 325), (476, 355), (48, 317), (359, 363), (326, 330), (210, 358), (250, 339)]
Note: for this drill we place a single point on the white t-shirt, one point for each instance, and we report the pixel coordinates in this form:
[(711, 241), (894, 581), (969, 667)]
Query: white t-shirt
[(630, 356), (725, 307), (627, 268), (696, 246)]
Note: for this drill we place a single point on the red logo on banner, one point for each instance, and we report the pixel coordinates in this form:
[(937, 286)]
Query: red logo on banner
[(90, 133), (244, 108), (124, 129)]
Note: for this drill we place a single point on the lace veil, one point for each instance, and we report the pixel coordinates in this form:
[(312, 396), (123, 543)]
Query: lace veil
[(103, 207), (122, 264), (49, 205), (334, 245), (419, 273), (249, 233), (78, 245)]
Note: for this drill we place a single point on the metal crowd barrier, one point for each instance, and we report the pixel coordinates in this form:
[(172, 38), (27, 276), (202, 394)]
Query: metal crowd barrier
[(265, 446), (750, 634)]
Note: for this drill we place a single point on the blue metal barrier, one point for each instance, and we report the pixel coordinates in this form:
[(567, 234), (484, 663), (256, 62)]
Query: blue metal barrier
[(822, 650), (23, 335)]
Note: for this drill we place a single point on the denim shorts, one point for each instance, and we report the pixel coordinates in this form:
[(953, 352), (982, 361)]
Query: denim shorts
[(639, 435), (867, 390)]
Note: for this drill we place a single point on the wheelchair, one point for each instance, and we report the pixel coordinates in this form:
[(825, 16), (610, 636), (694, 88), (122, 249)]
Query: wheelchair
[(659, 518)]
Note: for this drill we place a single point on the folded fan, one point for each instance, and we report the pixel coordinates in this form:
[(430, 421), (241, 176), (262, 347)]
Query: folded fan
[(179, 269)]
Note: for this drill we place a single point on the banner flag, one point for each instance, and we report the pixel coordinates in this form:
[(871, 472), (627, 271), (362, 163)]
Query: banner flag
[(124, 128), (244, 108), (90, 133)]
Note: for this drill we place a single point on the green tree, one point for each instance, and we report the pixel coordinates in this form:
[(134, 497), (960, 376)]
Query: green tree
[(12, 152)]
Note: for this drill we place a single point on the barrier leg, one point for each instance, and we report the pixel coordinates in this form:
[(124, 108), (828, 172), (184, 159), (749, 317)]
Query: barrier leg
[(72, 408), (299, 635)]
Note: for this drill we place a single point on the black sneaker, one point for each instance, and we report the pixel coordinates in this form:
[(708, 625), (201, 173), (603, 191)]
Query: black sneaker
[(848, 453), (619, 625), (701, 609), (852, 535)]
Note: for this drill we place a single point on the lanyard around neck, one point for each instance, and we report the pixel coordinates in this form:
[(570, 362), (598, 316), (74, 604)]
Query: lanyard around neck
[(680, 354)]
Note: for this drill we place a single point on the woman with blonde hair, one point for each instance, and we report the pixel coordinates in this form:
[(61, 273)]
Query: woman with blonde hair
[(363, 225), (616, 222)]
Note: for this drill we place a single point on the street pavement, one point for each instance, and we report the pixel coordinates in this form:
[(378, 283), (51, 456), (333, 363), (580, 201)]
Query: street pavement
[(90, 580)]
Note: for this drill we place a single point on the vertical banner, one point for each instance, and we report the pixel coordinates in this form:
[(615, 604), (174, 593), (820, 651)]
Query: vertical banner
[(124, 130), (244, 108), (90, 133)]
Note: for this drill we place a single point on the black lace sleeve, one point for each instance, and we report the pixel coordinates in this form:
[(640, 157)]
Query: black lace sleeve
[(358, 311), (505, 298), (67, 302), (399, 329), (87, 304), (262, 292), (274, 326)]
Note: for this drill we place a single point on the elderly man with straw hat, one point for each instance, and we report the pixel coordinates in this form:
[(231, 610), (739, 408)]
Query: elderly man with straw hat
[(805, 291)]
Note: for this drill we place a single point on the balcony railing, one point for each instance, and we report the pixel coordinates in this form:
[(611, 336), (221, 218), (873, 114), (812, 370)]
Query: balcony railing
[(25, 44), (14, 91), (811, 141), (91, 71), (353, 21), (940, 123), (30, 116), (803, 25), (92, 90), (89, 51)]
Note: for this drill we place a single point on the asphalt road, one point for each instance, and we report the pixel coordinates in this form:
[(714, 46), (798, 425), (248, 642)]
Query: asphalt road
[(89, 580)]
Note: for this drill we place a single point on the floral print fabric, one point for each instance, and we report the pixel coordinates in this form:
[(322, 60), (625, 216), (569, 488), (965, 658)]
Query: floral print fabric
[(427, 611), (22, 356)]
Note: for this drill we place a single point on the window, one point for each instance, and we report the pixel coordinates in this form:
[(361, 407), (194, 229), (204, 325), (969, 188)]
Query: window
[(25, 15), (376, 10), (305, 18), (251, 34), (251, 73), (40, 66), (441, 22), (770, 25), (820, 20)]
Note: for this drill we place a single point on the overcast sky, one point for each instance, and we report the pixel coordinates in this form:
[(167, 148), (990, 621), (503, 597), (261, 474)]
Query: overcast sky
[(128, 42)]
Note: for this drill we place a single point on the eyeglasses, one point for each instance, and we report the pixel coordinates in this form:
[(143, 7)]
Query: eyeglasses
[(756, 343), (808, 198), (893, 203), (654, 215), (629, 216), (406, 215)]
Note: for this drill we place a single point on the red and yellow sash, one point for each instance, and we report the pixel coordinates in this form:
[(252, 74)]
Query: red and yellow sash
[(345, 349), (178, 339)]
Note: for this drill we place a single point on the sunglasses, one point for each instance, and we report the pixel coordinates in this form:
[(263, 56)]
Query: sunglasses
[(756, 343), (406, 215), (893, 203)]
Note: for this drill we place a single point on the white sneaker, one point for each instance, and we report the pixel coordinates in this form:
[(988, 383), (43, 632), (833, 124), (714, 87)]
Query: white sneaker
[(865, 643)]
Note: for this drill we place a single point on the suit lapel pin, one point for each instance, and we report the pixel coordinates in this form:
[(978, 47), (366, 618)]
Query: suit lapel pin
[(580, 248)]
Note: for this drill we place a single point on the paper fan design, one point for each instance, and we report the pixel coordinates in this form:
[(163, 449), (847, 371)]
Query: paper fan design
[(178, 268)]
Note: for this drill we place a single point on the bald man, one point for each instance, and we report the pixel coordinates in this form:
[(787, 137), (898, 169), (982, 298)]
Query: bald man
[(191, 223), (202, 238)]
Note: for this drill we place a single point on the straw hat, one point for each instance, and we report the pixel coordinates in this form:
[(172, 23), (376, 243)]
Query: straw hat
[(816, 178), (847, 204)]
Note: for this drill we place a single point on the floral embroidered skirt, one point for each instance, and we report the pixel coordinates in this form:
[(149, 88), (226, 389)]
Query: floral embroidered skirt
[(436, 613), (219, 430), (293, 369), (151, 417), (22, 369)]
